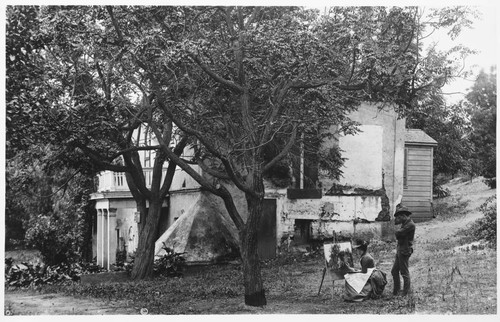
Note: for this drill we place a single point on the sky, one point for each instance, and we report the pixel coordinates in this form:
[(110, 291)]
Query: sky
[(482, 37)]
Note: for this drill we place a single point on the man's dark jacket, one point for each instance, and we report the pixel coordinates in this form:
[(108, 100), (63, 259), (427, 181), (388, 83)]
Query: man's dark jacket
[(405, 235)]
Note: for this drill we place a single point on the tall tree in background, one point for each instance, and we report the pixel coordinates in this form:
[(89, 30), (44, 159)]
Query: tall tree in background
[(481, 103), (449, 126), (35, 180), (56, 217), (68, 87)]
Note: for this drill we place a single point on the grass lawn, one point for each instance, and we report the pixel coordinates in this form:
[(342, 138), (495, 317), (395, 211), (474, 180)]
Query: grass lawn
[(444, 281)]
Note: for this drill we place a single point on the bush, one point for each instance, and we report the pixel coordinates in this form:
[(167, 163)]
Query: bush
[(56, 239), (438, 191), (171, 264), (485, 228), (491, 182), (29, 275)]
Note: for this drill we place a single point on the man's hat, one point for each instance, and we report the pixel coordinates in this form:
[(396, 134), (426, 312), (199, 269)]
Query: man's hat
[(402, 211)]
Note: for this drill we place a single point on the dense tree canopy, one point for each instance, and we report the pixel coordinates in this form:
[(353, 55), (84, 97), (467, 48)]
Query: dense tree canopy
[(481, 103), (448, 125)]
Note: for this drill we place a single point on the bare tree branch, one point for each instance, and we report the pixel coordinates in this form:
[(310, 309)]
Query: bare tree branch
[(283, 152), (224, 82)]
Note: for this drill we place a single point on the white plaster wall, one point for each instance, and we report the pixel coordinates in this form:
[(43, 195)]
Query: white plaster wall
[(367, 207), (363, 151), (398, 163), (339, 208), (327, 228), (125, 222), (181, 177), (339, 213), (393, 144), (102, 204), (181, 203)]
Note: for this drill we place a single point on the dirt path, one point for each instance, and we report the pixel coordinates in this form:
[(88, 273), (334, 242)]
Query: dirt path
[(474, 193), (28, 303)]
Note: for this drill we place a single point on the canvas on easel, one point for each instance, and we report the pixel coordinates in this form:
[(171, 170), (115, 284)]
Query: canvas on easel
[(337, 255), (338, 259)]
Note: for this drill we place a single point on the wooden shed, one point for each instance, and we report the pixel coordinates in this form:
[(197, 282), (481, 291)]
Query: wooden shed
[(417, 177)]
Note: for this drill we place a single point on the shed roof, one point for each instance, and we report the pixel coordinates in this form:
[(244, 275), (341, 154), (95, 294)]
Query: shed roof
[(418, 137)]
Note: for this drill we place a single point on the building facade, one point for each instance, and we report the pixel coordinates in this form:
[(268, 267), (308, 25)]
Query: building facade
[(360, 203)]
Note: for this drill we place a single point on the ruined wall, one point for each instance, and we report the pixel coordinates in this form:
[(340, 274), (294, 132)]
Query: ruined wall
[(361, 203), (364, 155), (392, 145), (348, 215)]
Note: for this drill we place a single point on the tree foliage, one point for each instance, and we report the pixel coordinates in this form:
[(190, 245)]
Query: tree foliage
[(55, 218), (480, 103), (449, 126), (85, 102), (485, 228)]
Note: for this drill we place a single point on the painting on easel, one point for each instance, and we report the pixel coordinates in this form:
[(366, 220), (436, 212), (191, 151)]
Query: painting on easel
[(338, 259)]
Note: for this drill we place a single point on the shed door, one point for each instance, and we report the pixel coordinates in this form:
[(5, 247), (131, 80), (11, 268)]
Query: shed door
[(267, 230), (417, 195)]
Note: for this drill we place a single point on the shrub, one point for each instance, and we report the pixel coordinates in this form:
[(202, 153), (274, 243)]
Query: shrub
[(491, 182), (171, 264), (485, 228), (28, 274), (56, 239), (439, 191)]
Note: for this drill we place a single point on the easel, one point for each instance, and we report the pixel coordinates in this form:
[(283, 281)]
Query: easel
[(336, 254)]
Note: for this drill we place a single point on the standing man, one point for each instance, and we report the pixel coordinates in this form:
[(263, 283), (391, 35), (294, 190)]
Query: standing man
[(404, 236)]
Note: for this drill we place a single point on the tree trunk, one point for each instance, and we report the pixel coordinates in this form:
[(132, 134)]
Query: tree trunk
[(254, 289), (144, 258)]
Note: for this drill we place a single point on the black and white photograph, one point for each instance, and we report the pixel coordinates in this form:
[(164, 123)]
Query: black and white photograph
[(179, 159)]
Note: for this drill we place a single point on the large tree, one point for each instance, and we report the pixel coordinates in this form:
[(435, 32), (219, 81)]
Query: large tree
[(243, 80), (243, 86), (68, 86), (448, 125), (481, 103)]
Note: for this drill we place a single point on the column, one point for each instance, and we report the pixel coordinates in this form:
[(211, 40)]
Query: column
[(105, 235), (99, 237), (112, 241)]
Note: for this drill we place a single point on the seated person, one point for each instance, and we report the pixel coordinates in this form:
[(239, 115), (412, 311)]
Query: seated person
[(366, 283)]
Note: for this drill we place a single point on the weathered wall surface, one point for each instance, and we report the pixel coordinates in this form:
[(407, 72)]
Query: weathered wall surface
[(181, 202), (117, 228), (392, 145), (374, 167), (202, 232), (328, 214), (364, 155), (182, 180)]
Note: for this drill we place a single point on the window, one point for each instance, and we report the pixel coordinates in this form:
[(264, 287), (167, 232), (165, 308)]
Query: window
[(118, 176)]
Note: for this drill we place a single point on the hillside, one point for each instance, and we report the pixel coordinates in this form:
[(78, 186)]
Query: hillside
[(456, 211)]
